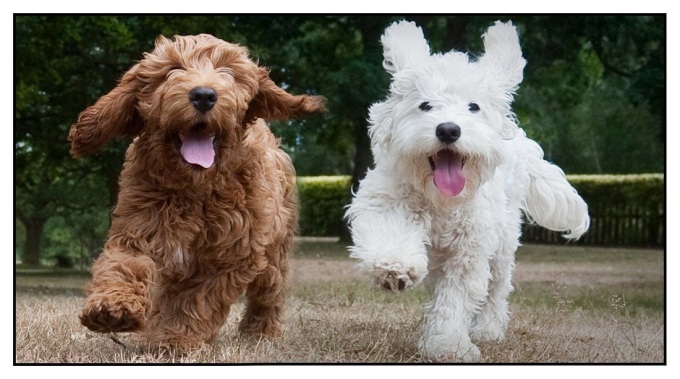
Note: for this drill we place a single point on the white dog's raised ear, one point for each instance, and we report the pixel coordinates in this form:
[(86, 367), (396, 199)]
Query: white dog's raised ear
[(503, 55), (403, 43)]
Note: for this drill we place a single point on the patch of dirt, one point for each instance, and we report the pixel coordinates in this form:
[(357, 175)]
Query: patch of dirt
[(315, 270), (579, 274), (311, 270)]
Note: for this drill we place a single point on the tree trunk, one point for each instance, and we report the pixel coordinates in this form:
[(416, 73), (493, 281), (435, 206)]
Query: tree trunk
[(371, 29), (112, 174), (34, 232), (363, 158), (455, 34)]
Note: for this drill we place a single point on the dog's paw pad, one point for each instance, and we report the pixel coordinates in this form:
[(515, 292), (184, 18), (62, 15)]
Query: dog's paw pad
[(105, 319), (390, 284), (395, 277)]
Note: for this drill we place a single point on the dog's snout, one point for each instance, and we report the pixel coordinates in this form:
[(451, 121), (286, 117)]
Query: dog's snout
[(448, 132), (203, 98)]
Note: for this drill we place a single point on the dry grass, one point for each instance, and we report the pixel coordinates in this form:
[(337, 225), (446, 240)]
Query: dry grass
[(571, 305)]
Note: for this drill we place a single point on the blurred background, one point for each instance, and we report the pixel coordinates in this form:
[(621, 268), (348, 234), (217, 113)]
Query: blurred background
[(593, 96)]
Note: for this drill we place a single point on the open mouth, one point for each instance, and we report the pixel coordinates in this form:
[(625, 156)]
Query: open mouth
[(447, 167), (197, 147)]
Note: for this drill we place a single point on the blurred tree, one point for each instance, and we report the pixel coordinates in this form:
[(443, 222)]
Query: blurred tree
[(594, 91), (51, 87), (336, 56), (63, 64)]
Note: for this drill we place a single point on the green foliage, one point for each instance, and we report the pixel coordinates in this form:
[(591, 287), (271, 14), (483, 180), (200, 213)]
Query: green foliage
[(593, 95), (339, 58), (68, 239), (644, 191), (61, 243), (589, 125), (19, 239), (322, 204)]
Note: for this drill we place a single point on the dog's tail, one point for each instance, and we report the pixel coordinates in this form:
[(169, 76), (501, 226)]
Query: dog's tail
[(550, 200)]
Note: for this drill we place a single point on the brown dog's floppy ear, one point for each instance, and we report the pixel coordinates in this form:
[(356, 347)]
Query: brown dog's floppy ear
[(273, 103), (113, 115)]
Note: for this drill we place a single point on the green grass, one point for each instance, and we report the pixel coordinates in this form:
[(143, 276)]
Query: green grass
[(332, 248), (589, 254), (642, 299)]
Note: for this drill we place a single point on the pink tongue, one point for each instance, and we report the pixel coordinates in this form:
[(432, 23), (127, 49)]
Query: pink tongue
[(198, 149), (448, 173)]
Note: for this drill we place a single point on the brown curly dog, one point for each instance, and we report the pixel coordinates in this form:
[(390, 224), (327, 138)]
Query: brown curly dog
[(207, 208)]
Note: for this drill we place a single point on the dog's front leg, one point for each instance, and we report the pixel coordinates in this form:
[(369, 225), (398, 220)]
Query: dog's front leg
[(118, 296), (390, 244)]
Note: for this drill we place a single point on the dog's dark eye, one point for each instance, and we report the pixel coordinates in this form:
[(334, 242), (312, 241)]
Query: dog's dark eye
[(473, 107), (425, 106)]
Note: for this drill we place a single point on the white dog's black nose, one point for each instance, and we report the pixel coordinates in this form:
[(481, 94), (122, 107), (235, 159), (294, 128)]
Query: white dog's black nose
[(448, 132), (203, 98)]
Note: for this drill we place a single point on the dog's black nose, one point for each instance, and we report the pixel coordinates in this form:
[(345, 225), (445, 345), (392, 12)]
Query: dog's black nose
[(448, 132), (203, 98)]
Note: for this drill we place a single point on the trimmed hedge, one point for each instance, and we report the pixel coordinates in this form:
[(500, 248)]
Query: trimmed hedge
[(624, 209), (322, 204)]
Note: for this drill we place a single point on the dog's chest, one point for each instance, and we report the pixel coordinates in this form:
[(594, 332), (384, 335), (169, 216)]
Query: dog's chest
[(206, 223), (470, 225)]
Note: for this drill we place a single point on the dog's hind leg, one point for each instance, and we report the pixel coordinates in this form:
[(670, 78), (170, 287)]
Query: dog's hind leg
[(190, 312), (493, 318), (459, 286), (490, 323), (118, 296), (266, 295), (264, 308)]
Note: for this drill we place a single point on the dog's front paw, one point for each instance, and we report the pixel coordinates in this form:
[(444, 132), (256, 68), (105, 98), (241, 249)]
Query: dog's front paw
[(397, 277), (105, 314)]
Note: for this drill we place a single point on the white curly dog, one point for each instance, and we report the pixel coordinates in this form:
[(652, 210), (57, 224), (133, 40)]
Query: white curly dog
[(453, 176)]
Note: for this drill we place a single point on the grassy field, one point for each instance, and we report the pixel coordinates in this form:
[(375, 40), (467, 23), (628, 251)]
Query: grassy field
[(571, 304)]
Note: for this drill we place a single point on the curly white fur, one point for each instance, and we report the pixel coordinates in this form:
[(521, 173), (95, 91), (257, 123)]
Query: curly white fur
[(453, 176)]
